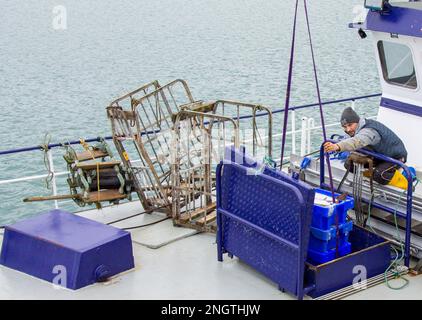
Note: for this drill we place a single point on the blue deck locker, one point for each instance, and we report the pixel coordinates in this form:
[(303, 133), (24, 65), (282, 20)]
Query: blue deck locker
[(58, 241)]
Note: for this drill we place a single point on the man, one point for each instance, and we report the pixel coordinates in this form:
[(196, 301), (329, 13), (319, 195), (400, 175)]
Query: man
[(373, 135)]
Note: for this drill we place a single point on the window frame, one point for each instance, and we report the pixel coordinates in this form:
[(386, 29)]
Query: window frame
[(384, 70)]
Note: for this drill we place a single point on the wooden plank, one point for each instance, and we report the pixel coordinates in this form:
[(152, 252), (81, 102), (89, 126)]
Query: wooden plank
[(93, 165), (205, 220), (57, 197), (185, 217), (104, 195), (86, 155)]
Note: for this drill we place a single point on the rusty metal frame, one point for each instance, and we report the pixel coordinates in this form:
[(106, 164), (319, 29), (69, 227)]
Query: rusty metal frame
[(148, 118), (169, 179), (220, 108), (193, 171)]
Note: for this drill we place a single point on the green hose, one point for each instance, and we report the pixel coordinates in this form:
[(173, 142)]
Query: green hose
[(397, 260)]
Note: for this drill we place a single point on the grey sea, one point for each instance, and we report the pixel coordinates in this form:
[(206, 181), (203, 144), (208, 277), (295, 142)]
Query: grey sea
[(59, 80)]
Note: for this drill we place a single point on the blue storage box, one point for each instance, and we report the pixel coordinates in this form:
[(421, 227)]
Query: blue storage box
[(324, 240), (323, 243), (324, 217), (59, 243), (318, 257)]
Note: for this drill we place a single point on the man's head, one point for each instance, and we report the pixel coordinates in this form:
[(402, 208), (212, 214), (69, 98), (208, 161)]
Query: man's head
[(349, 121)]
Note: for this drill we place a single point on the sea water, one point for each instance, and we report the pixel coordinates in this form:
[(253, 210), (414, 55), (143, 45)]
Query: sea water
[(63, 61)]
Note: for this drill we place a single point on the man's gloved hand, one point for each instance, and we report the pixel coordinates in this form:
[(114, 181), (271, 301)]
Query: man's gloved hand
[(329, 146)]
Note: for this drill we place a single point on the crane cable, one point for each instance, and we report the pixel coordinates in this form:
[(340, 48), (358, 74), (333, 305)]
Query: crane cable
[(288, 91), (287, 102)]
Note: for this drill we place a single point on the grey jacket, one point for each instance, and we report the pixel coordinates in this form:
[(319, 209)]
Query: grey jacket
[(362, 138)]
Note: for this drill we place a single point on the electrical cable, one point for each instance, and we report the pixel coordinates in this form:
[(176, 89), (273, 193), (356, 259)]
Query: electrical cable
[(146, 225), (344, 178), (397, 259), (306, 155), (137, 214)]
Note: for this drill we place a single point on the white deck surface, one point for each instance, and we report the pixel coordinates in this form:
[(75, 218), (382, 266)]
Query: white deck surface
[(184, 269)]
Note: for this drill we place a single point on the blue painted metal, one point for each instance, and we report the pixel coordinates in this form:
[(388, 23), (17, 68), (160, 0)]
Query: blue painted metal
[(368, 250), (264, 216), (264, 220), (50, 146), (55, 145), (239, 156), (403, 21), (409, 194), (401, 106), (89, 251), (413, 171), (329, 102)]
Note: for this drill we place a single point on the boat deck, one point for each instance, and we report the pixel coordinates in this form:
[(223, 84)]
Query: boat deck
[(183, 266)]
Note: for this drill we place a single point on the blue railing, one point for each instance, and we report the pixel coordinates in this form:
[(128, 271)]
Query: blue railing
[(409, 195), (55, 145), (51, 146)]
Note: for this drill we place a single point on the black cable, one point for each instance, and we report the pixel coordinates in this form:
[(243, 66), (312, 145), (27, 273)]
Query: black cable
[(149, 224), (344, 177), (313, 152), (306, 155), (146, 225), (137, 214)]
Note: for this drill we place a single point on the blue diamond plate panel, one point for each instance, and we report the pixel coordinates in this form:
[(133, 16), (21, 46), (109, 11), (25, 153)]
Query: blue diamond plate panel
[(264, 218)]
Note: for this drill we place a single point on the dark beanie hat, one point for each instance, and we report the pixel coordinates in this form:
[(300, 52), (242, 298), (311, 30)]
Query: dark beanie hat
[(349, 116)]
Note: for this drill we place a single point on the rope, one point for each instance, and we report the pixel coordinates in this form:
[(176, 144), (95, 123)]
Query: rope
[(288, 91), (398, 259), (45, 148), (269, 162), (324, 132), (344, 177), (86, 147), (289, 85)]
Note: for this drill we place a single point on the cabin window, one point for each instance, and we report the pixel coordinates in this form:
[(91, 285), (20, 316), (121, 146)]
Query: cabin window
[(397, 64)]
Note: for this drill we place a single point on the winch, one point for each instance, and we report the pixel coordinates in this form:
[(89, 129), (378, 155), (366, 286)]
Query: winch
[(94, 176)]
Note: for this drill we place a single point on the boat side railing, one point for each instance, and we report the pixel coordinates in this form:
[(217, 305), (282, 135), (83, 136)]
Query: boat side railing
[(409, 194), (305, 131)]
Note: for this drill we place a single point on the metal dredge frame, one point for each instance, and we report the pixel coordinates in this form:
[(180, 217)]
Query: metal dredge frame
[(155, 118)]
